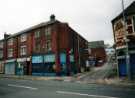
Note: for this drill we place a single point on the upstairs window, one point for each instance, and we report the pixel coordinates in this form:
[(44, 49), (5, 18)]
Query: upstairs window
[(129, 25), (1, 44), (10, 52), (23, 37), (23, 50), (37, 48), (37, 34), (48, 32), (48, 45), (10, 41)]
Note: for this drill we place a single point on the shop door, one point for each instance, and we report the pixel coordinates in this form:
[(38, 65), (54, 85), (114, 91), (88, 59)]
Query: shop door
[(132, 64), (122, 67), (10, 68)]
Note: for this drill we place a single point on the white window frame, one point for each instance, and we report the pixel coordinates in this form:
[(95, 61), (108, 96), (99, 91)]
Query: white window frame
[(47, 31), (37, 34), (23, 50), (48, 45), (1, 44), (23, 37), (10, 41), (10, 52)]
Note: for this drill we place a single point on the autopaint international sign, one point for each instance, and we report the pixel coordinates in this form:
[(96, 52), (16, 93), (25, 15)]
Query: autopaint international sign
[(37, 59), (49, 58)]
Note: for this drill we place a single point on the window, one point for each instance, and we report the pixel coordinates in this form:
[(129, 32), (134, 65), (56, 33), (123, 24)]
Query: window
[(129, 25), (1, 44), (130, 29), (134, 22), (37, 48), (37, 34), (23, 37), (23, 50), (129, 21), (48, 32), (1, 54), (10, 52), (10, 41), (48, 45)]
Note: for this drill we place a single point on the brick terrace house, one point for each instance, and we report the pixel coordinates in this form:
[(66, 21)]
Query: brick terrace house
[(49, 48), (119, 38)]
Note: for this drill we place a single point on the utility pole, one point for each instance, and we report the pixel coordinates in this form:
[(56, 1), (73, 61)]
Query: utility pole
[(126, 42), (78, 51)]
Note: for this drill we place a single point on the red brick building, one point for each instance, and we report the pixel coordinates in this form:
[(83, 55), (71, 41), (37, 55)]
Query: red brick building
[(49, 48), (97, 52)]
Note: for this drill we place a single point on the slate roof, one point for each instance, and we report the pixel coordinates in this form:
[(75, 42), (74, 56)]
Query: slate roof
[(32, 28)]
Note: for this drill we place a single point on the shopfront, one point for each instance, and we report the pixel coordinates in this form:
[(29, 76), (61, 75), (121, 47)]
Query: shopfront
[(72, 63), (37, 65), (10, 66), (23, 66), (63, 63), (49, 65), (44, 65)]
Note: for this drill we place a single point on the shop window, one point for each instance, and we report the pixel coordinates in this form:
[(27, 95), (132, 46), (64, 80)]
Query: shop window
[(37, 34), (23, 50), (10, 52), (10, 41), (23, 37), (1, 54)]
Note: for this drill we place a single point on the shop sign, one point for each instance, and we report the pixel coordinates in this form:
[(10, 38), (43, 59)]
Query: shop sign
[(12, 60), (49, 58), (37, 59), (21, 59)]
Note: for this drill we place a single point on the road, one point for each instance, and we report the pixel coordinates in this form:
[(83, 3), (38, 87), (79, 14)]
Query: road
[(98, 73), (13, 88)]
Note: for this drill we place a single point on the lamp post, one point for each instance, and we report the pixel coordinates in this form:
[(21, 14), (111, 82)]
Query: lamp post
[(126, 42)]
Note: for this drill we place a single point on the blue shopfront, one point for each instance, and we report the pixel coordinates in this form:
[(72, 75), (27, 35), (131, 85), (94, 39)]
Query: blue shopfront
[(43, 65), (63, 64), (122, 67), (67, 66)]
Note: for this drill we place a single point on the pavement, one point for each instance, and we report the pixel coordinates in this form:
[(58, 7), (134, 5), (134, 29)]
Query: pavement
[(19, 88)]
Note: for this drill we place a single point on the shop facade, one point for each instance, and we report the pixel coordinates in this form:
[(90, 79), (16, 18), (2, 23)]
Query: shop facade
[(10, 66), (23, 66)]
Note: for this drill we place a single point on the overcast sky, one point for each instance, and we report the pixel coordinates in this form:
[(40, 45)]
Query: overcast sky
[(90, 18)]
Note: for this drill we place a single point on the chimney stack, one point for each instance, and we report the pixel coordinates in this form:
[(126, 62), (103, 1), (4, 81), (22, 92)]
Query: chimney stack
[(52, 17)]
